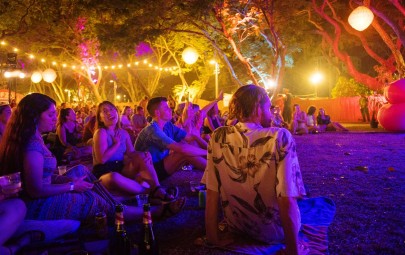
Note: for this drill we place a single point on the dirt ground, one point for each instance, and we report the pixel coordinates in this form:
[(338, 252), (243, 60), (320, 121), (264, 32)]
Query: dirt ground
[(363, 171)]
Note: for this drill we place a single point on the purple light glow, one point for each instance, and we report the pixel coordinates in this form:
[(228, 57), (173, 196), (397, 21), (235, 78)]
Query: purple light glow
[(81, 24), (143, 49)]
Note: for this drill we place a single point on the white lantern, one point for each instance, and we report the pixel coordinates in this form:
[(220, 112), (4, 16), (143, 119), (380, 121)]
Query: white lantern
[(361, 18), (36, 77), (190, 55), (49, 75)]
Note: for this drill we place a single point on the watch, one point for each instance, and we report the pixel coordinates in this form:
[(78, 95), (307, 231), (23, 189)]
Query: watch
[(72, 186)]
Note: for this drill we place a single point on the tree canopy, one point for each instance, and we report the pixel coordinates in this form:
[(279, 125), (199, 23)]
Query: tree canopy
[(254, 41)]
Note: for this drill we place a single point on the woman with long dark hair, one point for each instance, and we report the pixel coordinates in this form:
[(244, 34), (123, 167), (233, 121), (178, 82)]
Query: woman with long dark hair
[(311, 120), (69, 138), (50, 196)]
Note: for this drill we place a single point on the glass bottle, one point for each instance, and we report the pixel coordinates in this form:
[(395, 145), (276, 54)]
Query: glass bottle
[(120, 244), (148, 244)]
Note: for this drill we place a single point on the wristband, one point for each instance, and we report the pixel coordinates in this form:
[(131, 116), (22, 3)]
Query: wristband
[(72, 186)]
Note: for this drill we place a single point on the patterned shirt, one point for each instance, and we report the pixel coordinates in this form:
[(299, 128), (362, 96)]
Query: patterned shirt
[(250, 166), (156, 140)]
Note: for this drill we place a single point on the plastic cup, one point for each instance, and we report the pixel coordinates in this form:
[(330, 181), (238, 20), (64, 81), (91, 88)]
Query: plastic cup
[(10, 184), (142, 199), (62, 170), (194, 185)]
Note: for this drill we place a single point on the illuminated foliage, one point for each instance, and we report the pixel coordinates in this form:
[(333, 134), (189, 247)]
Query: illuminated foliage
[(376, 42), (348, 87)]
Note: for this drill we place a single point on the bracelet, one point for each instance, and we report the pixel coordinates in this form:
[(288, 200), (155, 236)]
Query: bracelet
[(72, 186)]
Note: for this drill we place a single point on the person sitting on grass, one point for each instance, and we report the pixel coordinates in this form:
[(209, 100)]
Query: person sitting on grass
[(311, 120), (299, 120), (120, 168), (69, 137), (167, 143), (192, 118), (138, 120), (211, 121), (277, 120), (75, 195), (325, 124), (253, 173)]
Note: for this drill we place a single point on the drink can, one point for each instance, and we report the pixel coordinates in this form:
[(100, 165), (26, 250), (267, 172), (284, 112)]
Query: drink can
[(101, 225), (201, 198)]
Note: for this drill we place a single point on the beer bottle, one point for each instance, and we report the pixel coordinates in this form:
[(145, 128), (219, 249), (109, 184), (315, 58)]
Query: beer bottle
[(148, 244), (120, 244)]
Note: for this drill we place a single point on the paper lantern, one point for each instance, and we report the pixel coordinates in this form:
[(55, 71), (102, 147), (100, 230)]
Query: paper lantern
[(49, 75), (361, 18), (190, 55), (36, 77)]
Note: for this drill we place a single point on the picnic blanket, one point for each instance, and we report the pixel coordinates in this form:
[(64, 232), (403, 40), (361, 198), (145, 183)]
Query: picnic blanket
[(316, 216)]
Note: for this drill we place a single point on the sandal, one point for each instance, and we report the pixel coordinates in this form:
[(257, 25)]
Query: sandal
[(173, 208), (170, 195), (173, 191)]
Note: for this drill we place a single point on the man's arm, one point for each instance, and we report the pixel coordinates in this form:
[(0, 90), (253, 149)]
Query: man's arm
[(211, 220), (289, 215), (211, 216), (206, 108), (201, 142)]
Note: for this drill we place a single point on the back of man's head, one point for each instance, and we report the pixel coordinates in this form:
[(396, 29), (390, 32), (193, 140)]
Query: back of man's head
[(245, 101), (153, 104)]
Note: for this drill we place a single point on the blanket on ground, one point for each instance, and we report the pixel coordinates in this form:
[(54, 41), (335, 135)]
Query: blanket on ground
[(316, 216)]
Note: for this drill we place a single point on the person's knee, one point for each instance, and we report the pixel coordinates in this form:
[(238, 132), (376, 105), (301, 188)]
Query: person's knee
[(115, 177), (15, 208), (111, 179)]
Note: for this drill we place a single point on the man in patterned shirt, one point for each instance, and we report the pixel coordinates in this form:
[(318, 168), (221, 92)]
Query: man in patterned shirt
[(167, 143), (253, 169)]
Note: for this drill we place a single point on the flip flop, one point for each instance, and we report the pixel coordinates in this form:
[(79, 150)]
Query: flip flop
[(173, 208), (171, 194)]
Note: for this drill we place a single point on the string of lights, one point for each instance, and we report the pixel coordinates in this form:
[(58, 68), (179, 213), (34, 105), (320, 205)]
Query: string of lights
[(140, 63)]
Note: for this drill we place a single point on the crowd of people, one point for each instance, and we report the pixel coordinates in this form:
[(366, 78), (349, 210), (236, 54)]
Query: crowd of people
[(134, 150)]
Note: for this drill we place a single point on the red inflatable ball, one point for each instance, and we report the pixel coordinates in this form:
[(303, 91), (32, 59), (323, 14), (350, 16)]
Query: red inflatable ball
[(395, 92), (392, 117)]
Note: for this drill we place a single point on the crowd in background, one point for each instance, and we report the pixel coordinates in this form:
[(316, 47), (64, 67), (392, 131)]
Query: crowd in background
[(132, 150)]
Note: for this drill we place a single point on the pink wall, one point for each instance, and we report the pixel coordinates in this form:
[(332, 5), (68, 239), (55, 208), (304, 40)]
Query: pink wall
[(344, 109)]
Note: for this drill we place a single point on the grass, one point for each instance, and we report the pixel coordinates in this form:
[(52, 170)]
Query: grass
[(370, 215)]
